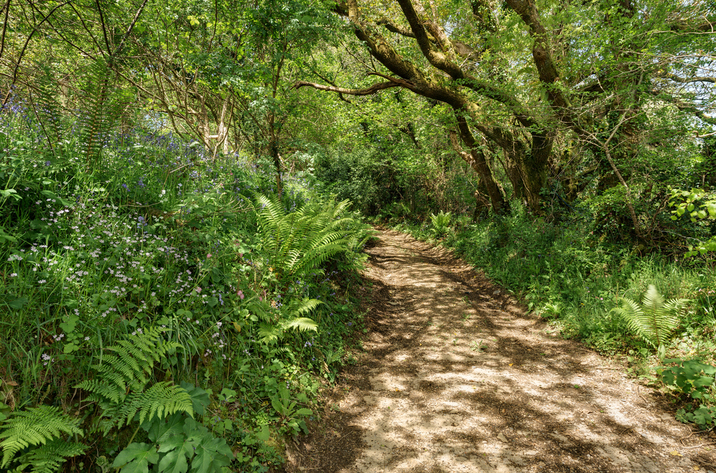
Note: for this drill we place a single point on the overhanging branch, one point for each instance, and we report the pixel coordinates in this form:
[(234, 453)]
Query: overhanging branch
[(340, 90), (688, 80)]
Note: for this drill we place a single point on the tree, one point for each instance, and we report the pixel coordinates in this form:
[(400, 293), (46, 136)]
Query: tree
[(527, 74)]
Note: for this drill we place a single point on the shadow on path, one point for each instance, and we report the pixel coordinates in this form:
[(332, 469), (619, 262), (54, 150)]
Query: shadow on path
[(457, 378)]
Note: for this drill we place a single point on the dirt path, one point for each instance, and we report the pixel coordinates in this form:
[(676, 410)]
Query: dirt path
[(456, 378)]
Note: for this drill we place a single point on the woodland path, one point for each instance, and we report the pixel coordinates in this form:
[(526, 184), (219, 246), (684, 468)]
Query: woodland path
[(455, 377)]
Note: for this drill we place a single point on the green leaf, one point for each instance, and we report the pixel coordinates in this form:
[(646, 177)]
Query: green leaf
[(174, 462), (703, 381), (264, 434), (18, 303), (69, 325), (158, 430), (199, 398), (278, 407), (302, 324), (136, 458), (7, 193), (4, 236), (211, 455)]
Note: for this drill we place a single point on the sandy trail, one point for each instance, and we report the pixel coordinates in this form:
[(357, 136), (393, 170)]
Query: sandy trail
[(456, 378)]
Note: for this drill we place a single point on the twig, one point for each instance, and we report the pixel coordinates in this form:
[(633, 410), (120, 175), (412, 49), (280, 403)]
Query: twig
[(699, 446), (642, 397), (688, 436)]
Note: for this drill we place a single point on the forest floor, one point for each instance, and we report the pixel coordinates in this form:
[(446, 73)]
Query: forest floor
[(455, 376)]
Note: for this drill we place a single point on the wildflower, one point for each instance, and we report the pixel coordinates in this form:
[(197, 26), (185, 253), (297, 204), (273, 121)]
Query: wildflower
[(240, 293)]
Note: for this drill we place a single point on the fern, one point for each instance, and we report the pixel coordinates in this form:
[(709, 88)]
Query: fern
[(159, 401), (40, 426), (47, 108), (120, 388), (103, 105), (272, 332), (300, 242), (654, 320), (441, 222), (50, 457)]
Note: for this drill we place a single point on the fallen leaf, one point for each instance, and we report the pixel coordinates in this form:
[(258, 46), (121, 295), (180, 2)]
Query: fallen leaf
[(511, 364), (502, 437), (676, 454)]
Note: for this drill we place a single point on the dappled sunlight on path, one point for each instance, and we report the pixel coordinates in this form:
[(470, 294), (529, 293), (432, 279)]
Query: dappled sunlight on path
[(456, 378)]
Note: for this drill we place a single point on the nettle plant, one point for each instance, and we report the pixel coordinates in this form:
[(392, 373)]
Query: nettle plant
[(121, 394)]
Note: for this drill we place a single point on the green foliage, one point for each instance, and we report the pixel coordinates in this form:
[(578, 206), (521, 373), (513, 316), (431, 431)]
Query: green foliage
[(654, 320), (102, 104), (299, 242), (695, 380), (41, 426), (50, 457), (180, 444), (441, 223), (120, 388), (272, 331), (700, 207), (291, 415), (161, 236)]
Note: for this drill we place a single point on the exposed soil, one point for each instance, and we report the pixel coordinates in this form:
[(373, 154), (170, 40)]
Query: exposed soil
[(456, 377)]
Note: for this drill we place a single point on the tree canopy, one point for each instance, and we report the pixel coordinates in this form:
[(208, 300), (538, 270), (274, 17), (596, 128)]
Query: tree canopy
[(530, 94)]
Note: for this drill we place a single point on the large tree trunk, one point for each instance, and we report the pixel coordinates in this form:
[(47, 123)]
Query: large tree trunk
[(535, 166), (480, 165)]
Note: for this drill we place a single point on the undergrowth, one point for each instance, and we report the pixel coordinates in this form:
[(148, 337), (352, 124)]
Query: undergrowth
[(161, 239)]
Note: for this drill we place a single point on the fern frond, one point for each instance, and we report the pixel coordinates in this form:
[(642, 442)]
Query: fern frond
[(652, 301), (317, 256), (160, 400), (103, 104), (34, 426), (50, 457), (268, 333), (654, 321), (121, 379), (102, 391), (305, 306), (301, 323), (47, 107)]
